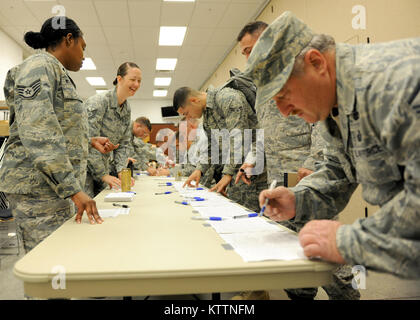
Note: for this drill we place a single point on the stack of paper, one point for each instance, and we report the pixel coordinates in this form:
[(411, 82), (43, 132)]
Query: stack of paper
[(112, 213), (119, 196), (253, 238)]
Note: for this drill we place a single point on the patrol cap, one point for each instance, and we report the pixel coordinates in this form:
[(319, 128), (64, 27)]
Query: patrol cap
[(273, 56)]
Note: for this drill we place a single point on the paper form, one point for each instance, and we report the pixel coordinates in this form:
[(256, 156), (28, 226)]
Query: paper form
[(112, 213), (229, 210), (254, 224), (266, 245), (119, 196)]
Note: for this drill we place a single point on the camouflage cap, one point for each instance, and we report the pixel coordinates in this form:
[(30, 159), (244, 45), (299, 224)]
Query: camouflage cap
[(272, 58)]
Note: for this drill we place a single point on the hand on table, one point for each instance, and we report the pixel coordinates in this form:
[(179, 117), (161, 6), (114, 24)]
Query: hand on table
[(220, 187), (318, 239), (85, 203), (112, 181), (195, 176)]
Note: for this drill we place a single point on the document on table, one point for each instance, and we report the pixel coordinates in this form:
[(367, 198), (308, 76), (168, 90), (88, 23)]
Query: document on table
[(119, 196), (112, 213), (229, 210), (254, 224), (266, 245)]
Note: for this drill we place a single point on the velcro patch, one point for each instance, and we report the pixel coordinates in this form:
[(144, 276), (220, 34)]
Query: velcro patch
[(29, 92)]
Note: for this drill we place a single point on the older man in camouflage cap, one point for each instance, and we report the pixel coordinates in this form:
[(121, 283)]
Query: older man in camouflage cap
[(368, 99)]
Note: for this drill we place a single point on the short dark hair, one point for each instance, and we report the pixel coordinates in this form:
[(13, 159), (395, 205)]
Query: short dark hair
[(52, 33), (123, 69), (180, 97), (251, 28), (145, 122)]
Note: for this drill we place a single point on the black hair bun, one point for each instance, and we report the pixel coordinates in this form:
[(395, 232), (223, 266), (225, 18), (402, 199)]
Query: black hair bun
[(35, 40)]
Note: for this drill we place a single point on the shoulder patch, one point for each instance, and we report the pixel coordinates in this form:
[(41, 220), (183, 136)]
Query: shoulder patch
[(29, 92)]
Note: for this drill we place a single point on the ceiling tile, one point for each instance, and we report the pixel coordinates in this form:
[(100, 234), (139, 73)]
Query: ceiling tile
[(117, 35), (18, 13), (208, 14), (81, 11), (223, 37), (93, 36), (99, 51), (191, 53), (112, 13), (176, 14), (197, 36), (238, 14), (144, 13), (45, 10)]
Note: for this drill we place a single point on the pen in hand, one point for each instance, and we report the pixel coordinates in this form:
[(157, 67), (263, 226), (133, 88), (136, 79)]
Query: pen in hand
[(272, 186)]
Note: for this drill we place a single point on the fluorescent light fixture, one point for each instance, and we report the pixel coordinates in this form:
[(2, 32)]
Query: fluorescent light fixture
[(162, 81), (101, 90), (166, 63), (88, 64), (178, 0), (160, 93), (171, 36), (96, 81)]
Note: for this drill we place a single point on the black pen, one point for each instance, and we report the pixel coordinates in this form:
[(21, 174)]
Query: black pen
[(120, 205)]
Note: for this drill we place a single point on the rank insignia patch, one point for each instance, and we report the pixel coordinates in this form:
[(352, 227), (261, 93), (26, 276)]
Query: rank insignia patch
[(29, 92)]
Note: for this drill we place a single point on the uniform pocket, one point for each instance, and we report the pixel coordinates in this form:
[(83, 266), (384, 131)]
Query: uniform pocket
[(375, 166)]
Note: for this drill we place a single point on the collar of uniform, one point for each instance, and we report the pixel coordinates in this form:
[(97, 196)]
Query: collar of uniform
[(345, 61), (50, 56), (211, 97), (124, 107)]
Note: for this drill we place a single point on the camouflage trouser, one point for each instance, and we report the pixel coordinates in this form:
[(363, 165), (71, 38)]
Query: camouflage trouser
[(92, 187), (247, 195), (340, 289), (38, 216)]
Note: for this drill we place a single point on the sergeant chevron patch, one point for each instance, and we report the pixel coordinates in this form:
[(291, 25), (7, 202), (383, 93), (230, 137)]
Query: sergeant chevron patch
[(29, 92)]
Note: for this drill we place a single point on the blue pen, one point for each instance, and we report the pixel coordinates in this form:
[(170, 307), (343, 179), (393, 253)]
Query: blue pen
[(208, 218), (272, 186), (167, 192), (166, 184), (250, 215), (183, 202)]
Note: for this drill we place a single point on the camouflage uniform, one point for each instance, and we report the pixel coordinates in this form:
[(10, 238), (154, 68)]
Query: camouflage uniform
[(289, 144), (228, 109), (374, 141), (287, 141), (142, 152), (195, 156), (46, 154), (107, 119)]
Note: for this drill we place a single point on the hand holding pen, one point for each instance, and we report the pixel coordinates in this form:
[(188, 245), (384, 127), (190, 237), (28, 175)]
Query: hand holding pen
[(279, 203)]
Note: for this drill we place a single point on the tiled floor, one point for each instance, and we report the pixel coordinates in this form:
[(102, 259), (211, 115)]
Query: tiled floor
[(378, 286)]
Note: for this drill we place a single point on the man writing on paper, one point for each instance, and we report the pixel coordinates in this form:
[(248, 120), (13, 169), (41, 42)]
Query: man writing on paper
[(225, 112), (290, 144), (367, 98)]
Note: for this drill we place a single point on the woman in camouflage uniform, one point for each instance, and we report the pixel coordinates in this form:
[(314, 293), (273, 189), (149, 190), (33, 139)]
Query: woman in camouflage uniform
[(109, 115), (44, 167)]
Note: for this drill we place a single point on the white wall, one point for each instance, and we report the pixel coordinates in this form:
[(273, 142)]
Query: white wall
[(150, 109), (11, 54)]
